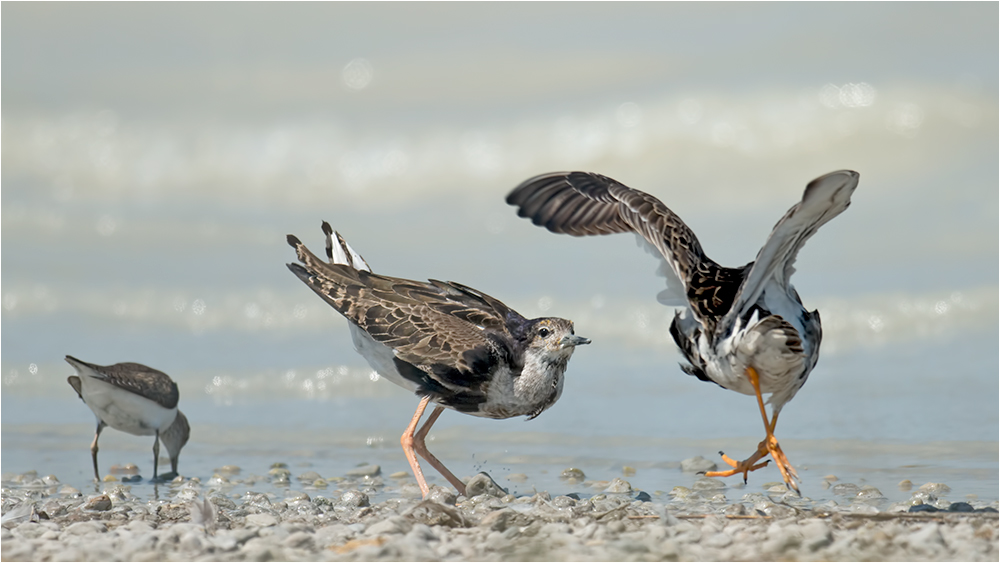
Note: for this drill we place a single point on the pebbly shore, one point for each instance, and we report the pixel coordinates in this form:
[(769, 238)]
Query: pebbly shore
[(366, 516)]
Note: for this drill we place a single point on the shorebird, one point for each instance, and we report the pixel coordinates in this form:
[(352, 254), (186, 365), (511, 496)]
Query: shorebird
[(448, 343), (132, 398), (743, 328)]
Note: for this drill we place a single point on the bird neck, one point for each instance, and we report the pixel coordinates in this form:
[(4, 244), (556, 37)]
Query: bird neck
[(541, 378)]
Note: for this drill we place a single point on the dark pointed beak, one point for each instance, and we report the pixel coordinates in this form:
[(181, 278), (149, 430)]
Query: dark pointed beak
[(573, 340)]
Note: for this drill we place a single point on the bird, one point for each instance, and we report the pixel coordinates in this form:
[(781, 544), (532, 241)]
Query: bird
[(742, 328), (136, 399), (446, 342)]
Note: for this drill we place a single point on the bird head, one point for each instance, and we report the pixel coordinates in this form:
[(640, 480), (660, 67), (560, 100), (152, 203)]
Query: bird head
[(554, 336), (174, 438)]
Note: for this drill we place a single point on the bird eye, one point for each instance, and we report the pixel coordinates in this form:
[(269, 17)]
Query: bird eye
[(543, 332)]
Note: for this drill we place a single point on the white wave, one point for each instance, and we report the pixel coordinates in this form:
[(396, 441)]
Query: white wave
[(100, 154)]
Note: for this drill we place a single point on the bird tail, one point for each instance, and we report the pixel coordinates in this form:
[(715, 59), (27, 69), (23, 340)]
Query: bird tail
[(328, 280), (84, 369), (341, 252)]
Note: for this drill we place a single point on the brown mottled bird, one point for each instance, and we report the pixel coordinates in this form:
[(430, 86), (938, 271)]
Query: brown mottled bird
[(136, 399), (743, 328), (450, 344)]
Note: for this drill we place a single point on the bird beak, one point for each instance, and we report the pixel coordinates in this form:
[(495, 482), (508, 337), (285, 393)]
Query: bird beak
[(573, 340)]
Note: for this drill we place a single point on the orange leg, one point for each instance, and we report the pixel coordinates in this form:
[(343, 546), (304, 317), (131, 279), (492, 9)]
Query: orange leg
[(406, 440), (414, 444), (768, 446), (421, 448)]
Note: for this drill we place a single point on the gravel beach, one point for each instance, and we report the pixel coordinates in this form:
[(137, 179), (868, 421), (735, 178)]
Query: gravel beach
[(367, 516)]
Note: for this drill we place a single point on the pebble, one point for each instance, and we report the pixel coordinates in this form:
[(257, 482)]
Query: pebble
[(279, 474), (483, 484), (680, 492), (905, 485), (846, 489), (442, 495), (572, 473), (261, 520), (869, 492), (698, 464), (86, 528), (388, 525), (354, 499), (618, 486), (69, 491), (736, 510), (100, 503), (309, 476), (935, 488), (364, 471), (708, 483)]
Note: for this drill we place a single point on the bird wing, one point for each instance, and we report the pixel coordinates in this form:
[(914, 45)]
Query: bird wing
[(582, 203), (74, 382), (139, 379), (824, 198), (452, 333)]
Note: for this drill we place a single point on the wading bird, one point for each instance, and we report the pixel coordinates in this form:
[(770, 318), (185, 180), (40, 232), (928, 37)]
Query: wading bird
[(743, 328), (136, 399), (448, 343)]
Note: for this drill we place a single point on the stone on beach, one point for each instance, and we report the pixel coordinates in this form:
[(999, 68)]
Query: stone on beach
[(376, 522)]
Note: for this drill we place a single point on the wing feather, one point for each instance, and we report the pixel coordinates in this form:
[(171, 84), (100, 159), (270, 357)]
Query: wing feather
[(139, 379), (582, 203), (451, 332), (823, 199)]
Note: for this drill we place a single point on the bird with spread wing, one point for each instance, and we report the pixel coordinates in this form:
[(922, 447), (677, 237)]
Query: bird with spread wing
[(743, 328)]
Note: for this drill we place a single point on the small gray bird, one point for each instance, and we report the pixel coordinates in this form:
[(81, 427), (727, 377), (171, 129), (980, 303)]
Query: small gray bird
[(448, 343), (743, 328), (136, 399)]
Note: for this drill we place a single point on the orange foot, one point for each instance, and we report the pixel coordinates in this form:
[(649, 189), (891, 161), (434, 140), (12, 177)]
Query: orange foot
[(768, 446), (786, 469), (745, 466)]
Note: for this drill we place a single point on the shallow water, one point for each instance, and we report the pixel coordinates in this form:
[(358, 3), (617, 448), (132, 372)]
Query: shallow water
[(145, 204)]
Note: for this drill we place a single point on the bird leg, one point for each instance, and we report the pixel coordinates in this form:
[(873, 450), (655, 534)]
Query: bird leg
[(156, 453), (421, 448), (407, 441), (787, 471), (93, 448), (767, 446)]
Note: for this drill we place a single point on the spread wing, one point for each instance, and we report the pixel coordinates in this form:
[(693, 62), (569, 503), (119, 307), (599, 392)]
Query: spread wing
[(824, 198), (454, 334), (582, 203), (136, 378)]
